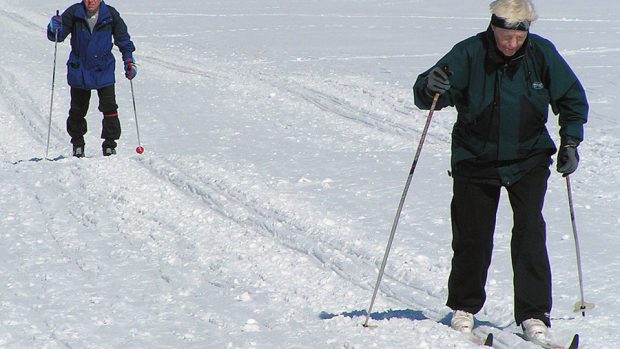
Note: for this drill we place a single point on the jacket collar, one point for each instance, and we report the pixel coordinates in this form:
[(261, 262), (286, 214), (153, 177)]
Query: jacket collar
[(495, 59), (104, 13)]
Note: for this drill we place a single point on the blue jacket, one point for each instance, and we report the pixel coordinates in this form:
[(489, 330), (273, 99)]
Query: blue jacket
[(91, 62)]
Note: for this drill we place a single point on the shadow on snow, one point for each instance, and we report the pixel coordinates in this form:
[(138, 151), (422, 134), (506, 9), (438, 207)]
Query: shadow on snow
[(385, 315), (409, 314), (39, 159)]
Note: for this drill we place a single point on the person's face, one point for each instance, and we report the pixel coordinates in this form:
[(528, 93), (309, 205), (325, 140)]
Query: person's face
[(92, 5), (509, 41)]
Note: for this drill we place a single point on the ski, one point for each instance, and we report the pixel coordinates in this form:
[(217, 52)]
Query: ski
[(483, 340), (574, 344), (508, 339)]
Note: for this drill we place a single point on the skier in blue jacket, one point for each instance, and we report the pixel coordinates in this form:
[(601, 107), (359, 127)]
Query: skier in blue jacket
[(93, 26)]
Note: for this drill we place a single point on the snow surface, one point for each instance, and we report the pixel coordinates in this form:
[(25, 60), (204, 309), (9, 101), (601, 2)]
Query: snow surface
[(278, 137)]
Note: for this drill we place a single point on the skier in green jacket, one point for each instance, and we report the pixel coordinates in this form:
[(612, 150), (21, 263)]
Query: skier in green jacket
[(502, 82)]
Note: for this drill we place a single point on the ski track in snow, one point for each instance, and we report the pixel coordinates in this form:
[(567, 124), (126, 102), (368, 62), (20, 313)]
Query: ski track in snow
[(25, 106), (325, 101), (301, 238), (274, 224)]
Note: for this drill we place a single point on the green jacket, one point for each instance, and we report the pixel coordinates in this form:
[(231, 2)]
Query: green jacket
[(503, 104)]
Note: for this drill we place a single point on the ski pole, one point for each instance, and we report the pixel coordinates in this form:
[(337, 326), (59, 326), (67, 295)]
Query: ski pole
[(400, 205), (581, 305), (139, 148), (49, 126)]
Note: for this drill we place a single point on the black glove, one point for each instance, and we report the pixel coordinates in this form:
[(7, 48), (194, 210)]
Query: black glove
[(568, 159), (437, 81)]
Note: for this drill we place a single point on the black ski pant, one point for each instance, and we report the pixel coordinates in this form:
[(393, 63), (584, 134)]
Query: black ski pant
[(76, 122), (473, 210)]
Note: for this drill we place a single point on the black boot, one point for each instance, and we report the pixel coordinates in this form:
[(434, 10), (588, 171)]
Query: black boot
[(78, 151), (109, 151), (109, 147)]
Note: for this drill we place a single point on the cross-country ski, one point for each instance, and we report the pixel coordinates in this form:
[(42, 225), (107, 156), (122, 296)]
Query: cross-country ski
[(549, 344)]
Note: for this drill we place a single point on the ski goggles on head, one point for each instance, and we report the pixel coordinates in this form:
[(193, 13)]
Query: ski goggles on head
[(503, 23)]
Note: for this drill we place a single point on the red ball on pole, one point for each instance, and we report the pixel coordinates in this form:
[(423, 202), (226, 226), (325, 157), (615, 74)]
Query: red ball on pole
[(139, 150)]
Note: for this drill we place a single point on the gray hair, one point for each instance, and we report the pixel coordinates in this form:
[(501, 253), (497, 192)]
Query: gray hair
[(514, 12)]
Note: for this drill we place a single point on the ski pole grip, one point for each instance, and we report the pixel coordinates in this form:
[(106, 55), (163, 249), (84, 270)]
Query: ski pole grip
[(57, 29)]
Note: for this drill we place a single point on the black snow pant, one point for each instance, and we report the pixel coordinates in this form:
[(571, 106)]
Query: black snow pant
[(76, 122), (473, 210)]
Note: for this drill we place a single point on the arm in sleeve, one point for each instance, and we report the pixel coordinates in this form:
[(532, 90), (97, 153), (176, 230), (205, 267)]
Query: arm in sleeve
[(122, 39), (458, 61), (573, 114), (568, 100), (424, 98), (67, 25)]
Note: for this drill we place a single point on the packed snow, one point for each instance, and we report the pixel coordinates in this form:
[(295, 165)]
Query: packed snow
[(278, 137)]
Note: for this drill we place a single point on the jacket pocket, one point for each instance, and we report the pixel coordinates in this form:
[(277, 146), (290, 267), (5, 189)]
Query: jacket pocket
[(74, 72), (533, 116)]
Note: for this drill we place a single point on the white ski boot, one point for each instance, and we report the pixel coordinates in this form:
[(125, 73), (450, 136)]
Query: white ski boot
[(535, 331), (462, 321)]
